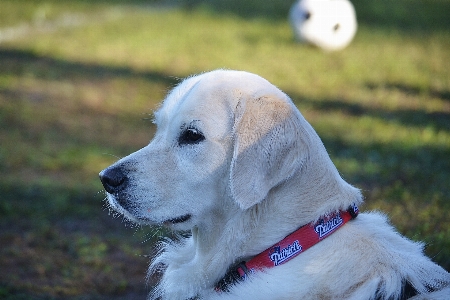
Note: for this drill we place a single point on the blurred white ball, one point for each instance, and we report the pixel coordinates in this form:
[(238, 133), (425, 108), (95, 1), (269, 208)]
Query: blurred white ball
[(327, 24)]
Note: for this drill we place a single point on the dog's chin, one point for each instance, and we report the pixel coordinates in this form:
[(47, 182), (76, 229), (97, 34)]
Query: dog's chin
[(182, 222)]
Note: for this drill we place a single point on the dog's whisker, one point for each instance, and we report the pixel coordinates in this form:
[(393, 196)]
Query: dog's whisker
[(109, 154)]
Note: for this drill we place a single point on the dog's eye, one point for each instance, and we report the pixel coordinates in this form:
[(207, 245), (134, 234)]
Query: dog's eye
[(190, 136)]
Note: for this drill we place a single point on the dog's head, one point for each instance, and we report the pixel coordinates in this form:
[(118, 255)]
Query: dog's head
[(224, 140)]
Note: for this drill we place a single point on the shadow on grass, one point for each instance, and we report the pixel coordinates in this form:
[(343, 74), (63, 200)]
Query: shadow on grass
[(408, 117), (39, 115), (413, 90), (20, 62), (59, 243), (401, 15)]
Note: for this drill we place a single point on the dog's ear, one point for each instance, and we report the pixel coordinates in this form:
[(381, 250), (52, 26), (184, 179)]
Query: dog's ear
[(267, 147)]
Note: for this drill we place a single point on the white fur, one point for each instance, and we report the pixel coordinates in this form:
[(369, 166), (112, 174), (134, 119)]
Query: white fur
[(261, 172), (327, 24)]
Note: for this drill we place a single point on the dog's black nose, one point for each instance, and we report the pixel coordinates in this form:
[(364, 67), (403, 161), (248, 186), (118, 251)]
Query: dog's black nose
[(113, 179)]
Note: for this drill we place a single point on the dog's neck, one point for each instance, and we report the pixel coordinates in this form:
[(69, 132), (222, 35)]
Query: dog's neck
[(288, 248), (210, 241), (240, 235)]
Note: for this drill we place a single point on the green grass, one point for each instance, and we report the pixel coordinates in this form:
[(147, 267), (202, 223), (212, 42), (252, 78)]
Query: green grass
[(74, 98)]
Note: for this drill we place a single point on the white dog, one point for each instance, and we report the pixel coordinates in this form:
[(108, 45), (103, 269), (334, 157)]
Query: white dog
[(235, 163)]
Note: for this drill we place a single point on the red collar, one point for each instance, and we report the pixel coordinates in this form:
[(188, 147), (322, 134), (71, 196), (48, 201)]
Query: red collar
[(291, 246)]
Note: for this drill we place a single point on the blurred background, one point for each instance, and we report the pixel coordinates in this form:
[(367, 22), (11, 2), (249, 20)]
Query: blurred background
[(79, 81)]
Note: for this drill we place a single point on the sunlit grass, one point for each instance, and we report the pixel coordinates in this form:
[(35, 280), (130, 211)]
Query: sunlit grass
[(74, 99)]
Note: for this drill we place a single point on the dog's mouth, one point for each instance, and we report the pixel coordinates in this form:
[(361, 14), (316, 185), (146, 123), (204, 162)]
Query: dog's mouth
[(178, 220)]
